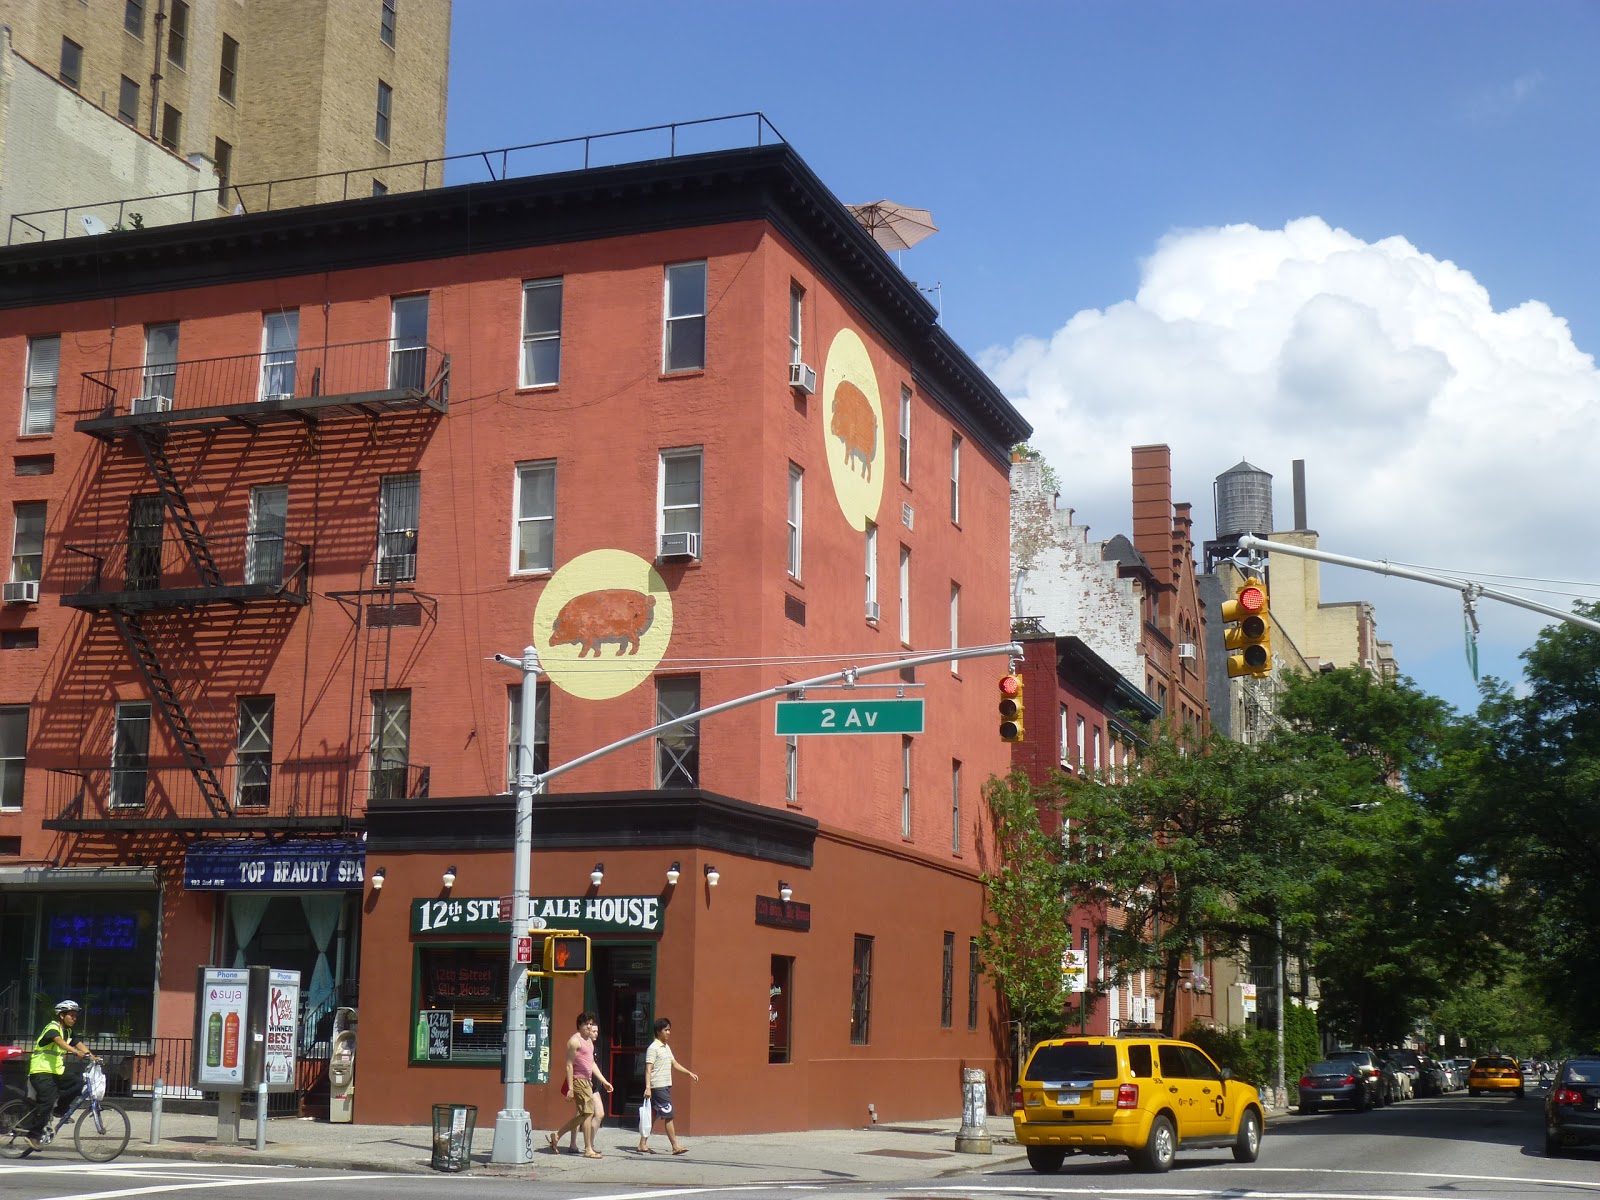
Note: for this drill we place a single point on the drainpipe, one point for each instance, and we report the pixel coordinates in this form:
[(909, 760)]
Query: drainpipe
[(155, 70)]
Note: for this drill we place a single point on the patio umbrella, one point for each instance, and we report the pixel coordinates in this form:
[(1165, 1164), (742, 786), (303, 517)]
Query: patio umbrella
[(894, 226)]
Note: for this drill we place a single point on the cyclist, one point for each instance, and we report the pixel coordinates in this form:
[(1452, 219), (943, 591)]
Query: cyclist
[(47, 1066)]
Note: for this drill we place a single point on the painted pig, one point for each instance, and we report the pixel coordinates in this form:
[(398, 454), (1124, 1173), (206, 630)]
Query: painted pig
[(855, 425), (614, 615)]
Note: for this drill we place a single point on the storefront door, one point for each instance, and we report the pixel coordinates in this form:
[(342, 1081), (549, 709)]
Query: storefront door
[(624, 982)]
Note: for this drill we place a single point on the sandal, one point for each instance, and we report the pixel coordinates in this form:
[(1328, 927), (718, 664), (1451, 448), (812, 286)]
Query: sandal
[(592, 1154), (645, 1150), (681, 1150), (554, 1143)]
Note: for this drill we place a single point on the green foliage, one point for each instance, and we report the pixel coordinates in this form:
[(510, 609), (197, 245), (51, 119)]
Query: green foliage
[(1236, 1050), (1047, 473), (1302, 1045)]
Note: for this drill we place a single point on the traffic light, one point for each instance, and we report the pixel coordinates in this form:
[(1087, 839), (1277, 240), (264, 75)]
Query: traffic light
[(1010, 708), (1248, 632), (566, 954)]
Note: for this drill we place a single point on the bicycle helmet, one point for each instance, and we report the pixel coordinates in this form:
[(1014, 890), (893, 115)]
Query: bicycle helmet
[(68, 1006)]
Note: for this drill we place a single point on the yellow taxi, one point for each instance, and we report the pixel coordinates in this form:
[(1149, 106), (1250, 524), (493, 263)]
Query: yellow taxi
[(1146, 1097), (1494, 1073)]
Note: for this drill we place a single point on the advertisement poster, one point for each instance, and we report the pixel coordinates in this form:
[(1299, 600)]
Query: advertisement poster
[(1075, 970), (219, 1059), (282, 1024), (1249, 998)]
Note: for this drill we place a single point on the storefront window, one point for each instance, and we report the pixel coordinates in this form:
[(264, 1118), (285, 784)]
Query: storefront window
[(461, 1004), (780, 1001), (314, 933)]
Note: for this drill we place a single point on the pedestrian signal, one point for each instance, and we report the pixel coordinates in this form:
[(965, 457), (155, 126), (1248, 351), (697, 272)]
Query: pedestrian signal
[(1010, 708), (1248, 631), (566, 954)]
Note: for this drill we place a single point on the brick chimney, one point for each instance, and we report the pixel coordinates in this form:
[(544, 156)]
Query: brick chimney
[(1152, 509)]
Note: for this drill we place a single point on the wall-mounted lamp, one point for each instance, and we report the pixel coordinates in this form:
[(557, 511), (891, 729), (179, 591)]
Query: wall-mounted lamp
[(377, 879), (713, 876), (672, 875), (598, 875), (785, 892), (449, 877)]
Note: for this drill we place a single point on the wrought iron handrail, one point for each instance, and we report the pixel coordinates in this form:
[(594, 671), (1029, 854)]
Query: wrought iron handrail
[(290, 790), (270, 562)]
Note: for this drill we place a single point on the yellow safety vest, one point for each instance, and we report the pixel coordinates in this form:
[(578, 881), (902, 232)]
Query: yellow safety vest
[(49, 1058)]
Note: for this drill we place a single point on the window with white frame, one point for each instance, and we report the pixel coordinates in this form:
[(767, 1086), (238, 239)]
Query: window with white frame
[(44, 374), (541, 332), (535, 547), (130, 754), (391, 745), (399, 514), (955, 626), (955, 806), (254, 786), (1079, 745), (269, 522), (280, 346), (796, 496), (684, 334), (160, 365), (385, 111), (905, 594), (386, 19), (541, 731), (13, 754), (872, 570), (791, 770), (681, 491), (905, 434), (797, 300), (27, 540), (408, 343), (905, 787), (678, 748), (955, 478), (1064, 751), (1097, 749)]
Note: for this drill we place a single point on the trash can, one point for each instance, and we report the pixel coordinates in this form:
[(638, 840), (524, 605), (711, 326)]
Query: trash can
[(453, 1125)]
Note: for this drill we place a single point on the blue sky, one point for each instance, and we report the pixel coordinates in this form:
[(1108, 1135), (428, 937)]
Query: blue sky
[(1359, 234)]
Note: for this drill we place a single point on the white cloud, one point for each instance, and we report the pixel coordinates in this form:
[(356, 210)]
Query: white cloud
[(1498, 103), (1435, 429)]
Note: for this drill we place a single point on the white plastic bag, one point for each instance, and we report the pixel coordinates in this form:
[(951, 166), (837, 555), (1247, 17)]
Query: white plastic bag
[(645, 1120), (94, 1081)]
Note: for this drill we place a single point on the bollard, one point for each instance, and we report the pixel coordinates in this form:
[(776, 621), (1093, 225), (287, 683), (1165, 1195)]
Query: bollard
[(261, 1115), (155, 1113), (974, 1135)]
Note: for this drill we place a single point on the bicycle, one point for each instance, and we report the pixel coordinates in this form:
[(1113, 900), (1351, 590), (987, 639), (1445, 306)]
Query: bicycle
[(100, 1134)]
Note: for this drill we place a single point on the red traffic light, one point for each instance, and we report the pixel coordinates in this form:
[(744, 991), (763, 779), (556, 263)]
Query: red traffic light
[(1252, 598), (1010, 685)]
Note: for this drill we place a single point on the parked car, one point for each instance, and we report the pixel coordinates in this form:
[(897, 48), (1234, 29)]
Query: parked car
[(1495, 1073), (1397, 1083), (1436, 1078), (1370, 1069), (1141, 1096), (1410, 1062), (1572, 1107), (1334, 1083)]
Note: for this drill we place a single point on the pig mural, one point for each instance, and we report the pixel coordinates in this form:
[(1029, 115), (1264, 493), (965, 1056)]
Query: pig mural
[(614, 615), (856, 425)]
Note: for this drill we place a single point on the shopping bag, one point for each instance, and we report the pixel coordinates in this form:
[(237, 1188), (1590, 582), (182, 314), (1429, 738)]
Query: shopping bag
[(94, 1081), (644, 1118)]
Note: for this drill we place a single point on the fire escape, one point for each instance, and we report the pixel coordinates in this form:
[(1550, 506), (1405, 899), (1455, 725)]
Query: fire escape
[(176, 410)]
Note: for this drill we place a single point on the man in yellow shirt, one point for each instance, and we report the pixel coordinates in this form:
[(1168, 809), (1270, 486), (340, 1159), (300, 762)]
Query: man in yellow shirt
[(48, 1064)]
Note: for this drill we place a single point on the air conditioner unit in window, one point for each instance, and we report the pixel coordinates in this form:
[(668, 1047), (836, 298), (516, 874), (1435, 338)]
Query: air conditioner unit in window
[(24, 591), (151, 404), (680, 545), (802, 378), (1186, 650), (873, 612)]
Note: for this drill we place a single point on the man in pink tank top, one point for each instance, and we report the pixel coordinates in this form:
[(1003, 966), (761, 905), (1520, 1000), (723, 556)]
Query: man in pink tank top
[(582, 1076)]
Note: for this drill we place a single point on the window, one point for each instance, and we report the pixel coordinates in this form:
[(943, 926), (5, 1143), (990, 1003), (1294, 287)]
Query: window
[(955, 626), (379, 188), (254, 787), (223, 158), (791, 770), (905, 594), (13, 754), (280, 345), (465, 987), (905, 787), (385, 106), (160, 367), (130, 754), (71, 63), (1097, 749), (541, 731), (408, 343), (861, 992), (947, 982), (87, 942), (178, 34), (955, 478), (541, 332), (678, 748), (974, 968), (128, 101), (144, 543), (399, 514), (27, 541), (684, 340), (228, 76), (905, 434), (263, 546), (797, 299), (171, 127), (1063, 733), (872, 567), (535, 548), (386, 17), (680, 491), (44, 372), (391, 744), (955, 806), (796, 486), (1080, 745), (133, 17), (780, 1009)]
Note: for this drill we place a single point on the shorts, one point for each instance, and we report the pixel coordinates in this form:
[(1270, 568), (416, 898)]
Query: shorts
[(661, 1102), (584, 1097)]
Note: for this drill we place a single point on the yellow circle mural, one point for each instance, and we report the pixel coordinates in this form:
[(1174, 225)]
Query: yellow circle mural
[(852, 429), (603, 624)]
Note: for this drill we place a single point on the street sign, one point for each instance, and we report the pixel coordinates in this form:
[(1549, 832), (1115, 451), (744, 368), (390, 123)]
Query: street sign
[(524, 949), (848, 716)]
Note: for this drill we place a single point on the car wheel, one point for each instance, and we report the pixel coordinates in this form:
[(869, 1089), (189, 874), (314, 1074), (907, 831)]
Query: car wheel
[(1552, 1145), (1247, 1146), (1046, 1160), (1307, 1110), (1160, 1149)]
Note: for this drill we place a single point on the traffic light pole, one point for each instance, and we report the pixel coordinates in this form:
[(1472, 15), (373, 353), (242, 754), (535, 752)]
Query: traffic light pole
[(513, 1130)]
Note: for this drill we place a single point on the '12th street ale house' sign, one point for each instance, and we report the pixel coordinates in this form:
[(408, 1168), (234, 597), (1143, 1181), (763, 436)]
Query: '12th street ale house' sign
[(586, 914)]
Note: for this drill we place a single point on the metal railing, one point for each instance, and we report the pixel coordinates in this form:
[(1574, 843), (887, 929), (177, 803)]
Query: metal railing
[(162, 565), (263, 382), (287, 791), (583, 153)]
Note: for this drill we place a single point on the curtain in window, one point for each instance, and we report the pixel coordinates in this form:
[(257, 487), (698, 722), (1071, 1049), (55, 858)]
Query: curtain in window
[(245, 910), (322, 917)]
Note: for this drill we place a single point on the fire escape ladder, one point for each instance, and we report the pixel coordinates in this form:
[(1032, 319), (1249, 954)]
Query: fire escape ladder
[(178, 505), (166, 697)]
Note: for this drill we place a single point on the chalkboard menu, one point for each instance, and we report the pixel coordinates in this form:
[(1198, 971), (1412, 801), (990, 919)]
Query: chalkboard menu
[(433, 1035)]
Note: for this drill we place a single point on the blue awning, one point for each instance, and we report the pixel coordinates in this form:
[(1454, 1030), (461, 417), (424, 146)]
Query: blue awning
[(295, 865)]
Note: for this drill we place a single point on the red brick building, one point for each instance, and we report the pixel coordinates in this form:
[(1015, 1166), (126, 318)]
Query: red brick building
[(281, 485)]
